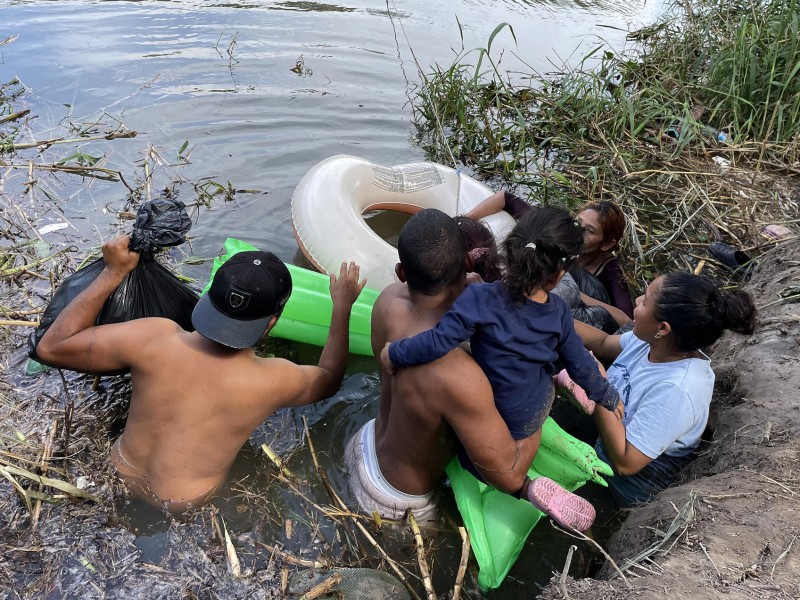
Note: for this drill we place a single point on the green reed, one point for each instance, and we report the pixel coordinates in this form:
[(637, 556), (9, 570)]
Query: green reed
[(640, 126)]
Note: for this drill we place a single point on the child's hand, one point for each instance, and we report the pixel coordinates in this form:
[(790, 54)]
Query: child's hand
[(386, 362), (473, 277)]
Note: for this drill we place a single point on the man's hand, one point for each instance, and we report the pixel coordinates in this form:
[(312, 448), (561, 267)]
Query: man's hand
[(346, 288), (386, 362), (74, 342), (118, 258)]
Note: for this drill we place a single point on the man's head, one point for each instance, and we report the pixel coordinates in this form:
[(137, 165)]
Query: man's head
[(432, 252), (248, 290)]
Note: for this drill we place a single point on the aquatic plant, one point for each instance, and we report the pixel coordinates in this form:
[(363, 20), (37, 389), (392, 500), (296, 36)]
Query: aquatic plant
[(693, 128)]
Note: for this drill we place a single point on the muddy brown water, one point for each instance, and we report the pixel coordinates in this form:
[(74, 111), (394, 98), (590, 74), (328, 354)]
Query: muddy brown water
[(221, 77)]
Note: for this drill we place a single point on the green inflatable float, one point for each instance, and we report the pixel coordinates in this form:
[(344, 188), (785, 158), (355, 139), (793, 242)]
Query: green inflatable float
[(307, 315), (498, 524)]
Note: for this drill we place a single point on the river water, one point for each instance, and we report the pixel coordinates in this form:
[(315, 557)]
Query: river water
[(262, 91)]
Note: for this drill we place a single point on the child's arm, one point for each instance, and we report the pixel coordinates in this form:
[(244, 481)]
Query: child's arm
[(583, 369), (455, 326)]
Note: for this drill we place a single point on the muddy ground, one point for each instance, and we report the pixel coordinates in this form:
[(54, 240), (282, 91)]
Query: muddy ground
[(730, 530)]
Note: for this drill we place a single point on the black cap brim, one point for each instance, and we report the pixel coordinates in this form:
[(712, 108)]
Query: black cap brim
[(234, 333)]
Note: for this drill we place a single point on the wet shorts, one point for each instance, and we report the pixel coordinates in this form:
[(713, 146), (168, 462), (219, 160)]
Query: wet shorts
[(370, 487)]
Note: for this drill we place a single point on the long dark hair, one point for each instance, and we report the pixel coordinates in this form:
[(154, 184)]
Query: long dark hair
[(544, 242), (698, 312), (479, 242)]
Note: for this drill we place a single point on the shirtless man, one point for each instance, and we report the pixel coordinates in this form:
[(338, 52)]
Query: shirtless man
[(198, 396), (396, 460)]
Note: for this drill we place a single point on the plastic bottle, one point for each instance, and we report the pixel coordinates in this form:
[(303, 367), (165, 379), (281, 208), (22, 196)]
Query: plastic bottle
[(715, 134)]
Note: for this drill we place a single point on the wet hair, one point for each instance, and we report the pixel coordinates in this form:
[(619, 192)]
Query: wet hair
[(480, 244), (431, 252), (544, 242), (611, 218), (698, 312)]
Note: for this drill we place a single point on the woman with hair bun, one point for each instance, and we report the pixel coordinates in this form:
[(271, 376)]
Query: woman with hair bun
[(482, 248), (664, 379)]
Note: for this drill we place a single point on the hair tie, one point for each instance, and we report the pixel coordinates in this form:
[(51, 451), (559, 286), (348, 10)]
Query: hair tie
[(476, 253), (531, 245)]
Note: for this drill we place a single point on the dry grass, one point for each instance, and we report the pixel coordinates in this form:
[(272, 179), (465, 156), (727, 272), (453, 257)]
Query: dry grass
[(599, 130)]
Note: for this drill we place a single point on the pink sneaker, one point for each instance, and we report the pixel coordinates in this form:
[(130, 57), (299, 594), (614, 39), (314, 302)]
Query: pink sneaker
[(568, 510), (563, 380)]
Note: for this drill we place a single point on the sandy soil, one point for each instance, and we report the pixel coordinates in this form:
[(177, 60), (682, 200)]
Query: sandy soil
[(731, 529)]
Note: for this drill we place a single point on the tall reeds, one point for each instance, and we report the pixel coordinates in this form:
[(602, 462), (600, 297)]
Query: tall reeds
[(681, 128)]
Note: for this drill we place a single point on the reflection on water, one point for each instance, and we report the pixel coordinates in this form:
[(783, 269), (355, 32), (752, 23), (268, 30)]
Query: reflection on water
[(225, 80), (262, 95), (314, 7)]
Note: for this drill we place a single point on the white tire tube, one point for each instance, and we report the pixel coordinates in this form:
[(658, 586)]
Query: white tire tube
[(329, 202)]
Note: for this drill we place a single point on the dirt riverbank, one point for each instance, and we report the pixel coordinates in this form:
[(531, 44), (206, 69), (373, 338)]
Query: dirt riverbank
[(731, 529)]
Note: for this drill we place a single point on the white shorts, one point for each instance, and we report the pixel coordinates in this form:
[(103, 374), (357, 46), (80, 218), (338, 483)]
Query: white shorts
[(370, 487)]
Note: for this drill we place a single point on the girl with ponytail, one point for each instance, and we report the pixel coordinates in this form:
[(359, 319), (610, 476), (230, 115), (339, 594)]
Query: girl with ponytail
[(518, 330), (665, 379)]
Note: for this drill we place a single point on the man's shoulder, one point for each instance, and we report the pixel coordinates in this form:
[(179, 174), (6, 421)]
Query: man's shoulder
[(154, 326), (393, 291)]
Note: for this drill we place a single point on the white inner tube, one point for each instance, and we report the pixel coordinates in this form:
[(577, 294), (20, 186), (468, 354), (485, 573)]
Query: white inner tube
[(329, 202)]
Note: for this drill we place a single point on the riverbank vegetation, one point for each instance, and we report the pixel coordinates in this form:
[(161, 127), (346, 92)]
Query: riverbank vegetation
[(693, 128)]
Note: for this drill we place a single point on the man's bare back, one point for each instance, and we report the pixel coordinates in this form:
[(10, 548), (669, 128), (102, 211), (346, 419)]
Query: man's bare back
[(195, 401), (194, 405)]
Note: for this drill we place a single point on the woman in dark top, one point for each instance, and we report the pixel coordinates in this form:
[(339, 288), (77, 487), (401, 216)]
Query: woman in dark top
[(603, 227), (603, 223)]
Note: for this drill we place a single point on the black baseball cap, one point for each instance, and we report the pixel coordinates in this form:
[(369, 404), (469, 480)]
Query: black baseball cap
[(248, 290)]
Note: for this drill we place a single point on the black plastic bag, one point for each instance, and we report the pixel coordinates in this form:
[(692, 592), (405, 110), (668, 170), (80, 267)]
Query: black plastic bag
[(150, 290), (589, 284), (596, 316)]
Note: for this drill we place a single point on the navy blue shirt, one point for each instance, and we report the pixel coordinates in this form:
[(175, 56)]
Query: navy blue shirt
[(517, 348)]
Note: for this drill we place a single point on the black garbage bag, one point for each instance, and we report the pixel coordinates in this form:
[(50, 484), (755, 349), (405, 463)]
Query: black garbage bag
[(589, 284), (596, 316), (150, 290)]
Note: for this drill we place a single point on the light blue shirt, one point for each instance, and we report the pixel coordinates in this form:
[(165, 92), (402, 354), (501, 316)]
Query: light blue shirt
[(666, 404)]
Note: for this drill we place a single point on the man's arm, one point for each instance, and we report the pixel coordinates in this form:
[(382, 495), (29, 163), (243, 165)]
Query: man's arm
[(306, 384), (470, 410), (74, 342)]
